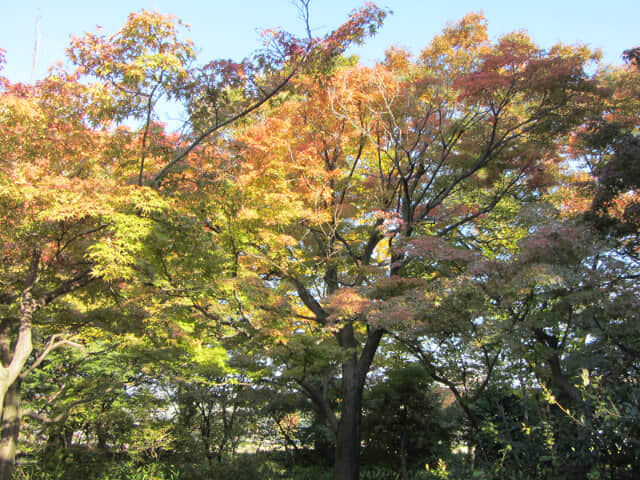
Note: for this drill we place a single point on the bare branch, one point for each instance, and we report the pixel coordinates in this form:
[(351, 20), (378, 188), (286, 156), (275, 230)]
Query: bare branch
[(303, 11)]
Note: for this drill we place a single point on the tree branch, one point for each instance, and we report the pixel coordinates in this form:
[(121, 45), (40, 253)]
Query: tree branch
[(162, 174), (52, 344), (67, 410), (310, 302)]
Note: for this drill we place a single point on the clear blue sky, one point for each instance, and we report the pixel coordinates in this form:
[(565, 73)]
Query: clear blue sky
[(229, 29)]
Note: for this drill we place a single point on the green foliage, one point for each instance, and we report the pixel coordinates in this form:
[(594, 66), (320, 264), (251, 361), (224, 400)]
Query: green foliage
[(403, 417), (94, 467)]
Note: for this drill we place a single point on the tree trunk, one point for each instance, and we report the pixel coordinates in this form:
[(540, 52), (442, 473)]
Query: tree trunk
[(10, 387), (102, 434), (347, 460), (354, 374), (404, 474), (10, 430)]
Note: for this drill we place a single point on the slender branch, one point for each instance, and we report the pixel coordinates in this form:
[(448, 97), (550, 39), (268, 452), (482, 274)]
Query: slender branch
[(52, 344), (162, 174), (487, 209), (321, 402), (67, 286), (147, 125), (67, 410), (303, 10)]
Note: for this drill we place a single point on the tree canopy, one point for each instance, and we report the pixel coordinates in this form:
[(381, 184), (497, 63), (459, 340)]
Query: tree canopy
[(425, 266)]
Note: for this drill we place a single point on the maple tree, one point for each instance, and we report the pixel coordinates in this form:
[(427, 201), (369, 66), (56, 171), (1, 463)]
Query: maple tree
[(59, 200), (354, 193), (77, 217), (553, 306)]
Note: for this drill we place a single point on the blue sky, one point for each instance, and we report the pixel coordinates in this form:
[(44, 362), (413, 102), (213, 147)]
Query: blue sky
[(229, 29)]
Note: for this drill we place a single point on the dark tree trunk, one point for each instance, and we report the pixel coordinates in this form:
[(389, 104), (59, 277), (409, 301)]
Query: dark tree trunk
[(404, 474), (10, 430), (347, 460), (60, 437), (101, 433), (354, 375)]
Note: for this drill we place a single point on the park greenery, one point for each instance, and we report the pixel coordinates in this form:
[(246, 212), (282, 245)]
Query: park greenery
[(425, 268)]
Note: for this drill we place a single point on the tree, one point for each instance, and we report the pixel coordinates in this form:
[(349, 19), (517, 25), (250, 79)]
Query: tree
[(59, 200), (80, 187), (367, 173)]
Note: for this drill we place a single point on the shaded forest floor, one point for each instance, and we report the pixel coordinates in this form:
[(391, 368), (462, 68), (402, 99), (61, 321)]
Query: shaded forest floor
[(93, 465)]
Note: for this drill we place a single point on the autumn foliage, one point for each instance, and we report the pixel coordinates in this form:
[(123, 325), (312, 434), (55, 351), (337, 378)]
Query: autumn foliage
[(313, 228)]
